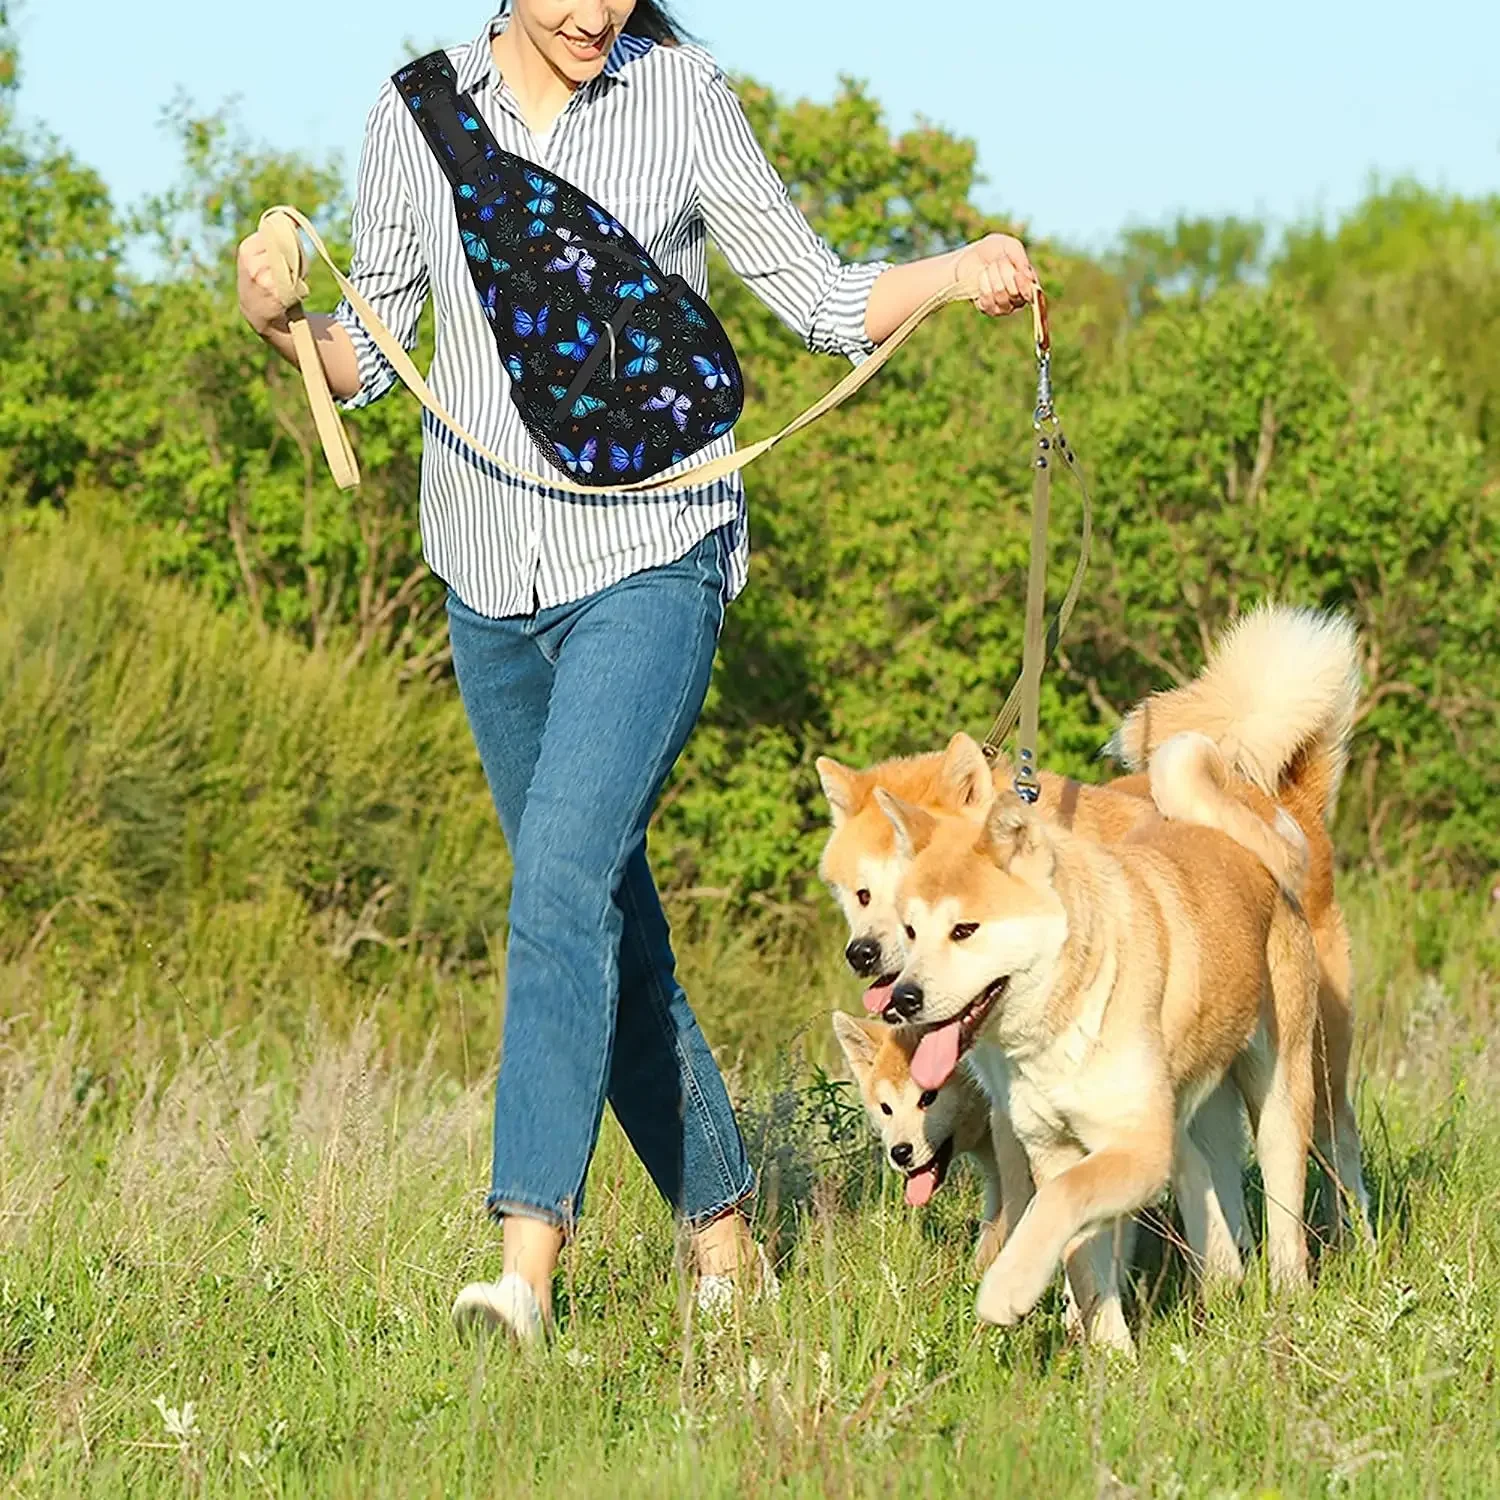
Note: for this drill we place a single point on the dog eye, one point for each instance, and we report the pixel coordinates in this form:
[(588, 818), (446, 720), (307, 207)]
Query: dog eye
[(964, 930), (862, 896), (885, 1109), (928, 1099), (911, 934)]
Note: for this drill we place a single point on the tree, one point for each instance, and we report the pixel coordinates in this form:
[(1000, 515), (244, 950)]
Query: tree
[(61, 312), (1191, 257), (1416, 269)]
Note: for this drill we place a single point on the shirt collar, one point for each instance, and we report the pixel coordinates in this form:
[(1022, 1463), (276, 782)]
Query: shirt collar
[(479, 68)]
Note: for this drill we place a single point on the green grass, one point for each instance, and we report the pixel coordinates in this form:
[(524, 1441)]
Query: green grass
[(227, 1276), (244, 1136)]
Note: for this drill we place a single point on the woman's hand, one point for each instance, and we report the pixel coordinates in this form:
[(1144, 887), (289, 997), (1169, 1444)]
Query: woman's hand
[(262, 310), (1000, 264), (259, 304)]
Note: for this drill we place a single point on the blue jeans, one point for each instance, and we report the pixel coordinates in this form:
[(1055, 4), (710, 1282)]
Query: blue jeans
[(579, 713)]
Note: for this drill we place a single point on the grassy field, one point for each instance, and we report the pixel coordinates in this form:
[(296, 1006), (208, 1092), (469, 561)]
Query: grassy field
[(248, 1019), (225, 1268)]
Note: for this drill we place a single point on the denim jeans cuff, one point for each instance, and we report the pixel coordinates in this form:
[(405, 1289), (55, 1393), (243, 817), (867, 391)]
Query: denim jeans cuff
[(505, 1205), (728, 1205)]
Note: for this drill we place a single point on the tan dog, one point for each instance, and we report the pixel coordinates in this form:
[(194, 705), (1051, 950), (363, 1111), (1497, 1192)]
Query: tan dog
[(922, 1130), (1277, 698), (1110, 989), (1211, 1200)]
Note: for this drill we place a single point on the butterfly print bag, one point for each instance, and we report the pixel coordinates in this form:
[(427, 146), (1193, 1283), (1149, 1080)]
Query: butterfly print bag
[(618, 370)]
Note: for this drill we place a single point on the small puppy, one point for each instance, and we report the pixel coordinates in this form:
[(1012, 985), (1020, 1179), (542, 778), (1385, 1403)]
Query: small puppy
[(922, 1129)]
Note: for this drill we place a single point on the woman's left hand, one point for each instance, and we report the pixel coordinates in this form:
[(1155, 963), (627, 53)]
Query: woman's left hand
[(1006, 278)]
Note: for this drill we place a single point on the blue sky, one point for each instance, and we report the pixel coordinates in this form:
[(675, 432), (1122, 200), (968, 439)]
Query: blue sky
[(1089, 115)]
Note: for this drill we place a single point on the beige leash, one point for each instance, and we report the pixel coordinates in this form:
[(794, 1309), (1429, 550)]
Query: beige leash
[(280, 227), (1024, 701)]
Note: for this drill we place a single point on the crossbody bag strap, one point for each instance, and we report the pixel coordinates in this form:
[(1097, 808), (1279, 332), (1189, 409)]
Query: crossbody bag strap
[(468, 154)]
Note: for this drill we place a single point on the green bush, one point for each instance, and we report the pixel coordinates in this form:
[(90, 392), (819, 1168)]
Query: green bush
[(174, 784)]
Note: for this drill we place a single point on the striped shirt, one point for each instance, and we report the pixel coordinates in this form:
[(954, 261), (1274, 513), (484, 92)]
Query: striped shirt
[(659, 139)]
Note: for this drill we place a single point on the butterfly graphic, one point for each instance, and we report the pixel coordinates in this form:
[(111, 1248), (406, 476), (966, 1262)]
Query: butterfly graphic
[(578, 348), (644, 362), (489, 301), (622, 458), (692, 314), (514, 368), (581, 462), (668, 400), (526, 323), (465, 191), (487, 210), (478, 249), (467, 121), (542, 204), (640, 290), (583, 405), (605, 225), (576, 259), (416, 101), (712, 370), (718, 429)]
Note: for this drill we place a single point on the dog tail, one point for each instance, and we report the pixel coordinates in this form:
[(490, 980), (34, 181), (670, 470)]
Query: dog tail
[(1277, 699), (1191, 782)]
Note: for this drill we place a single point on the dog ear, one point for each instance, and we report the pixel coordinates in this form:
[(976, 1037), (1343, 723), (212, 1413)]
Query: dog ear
[(858, 1040), (840, 787), (967, 774), (913, 826), (1016, 840)]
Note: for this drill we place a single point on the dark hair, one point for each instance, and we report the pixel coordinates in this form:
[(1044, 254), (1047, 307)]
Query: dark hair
[(652, 20)]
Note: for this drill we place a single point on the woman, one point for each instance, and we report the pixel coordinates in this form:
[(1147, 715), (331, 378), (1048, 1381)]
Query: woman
[(583, 633)]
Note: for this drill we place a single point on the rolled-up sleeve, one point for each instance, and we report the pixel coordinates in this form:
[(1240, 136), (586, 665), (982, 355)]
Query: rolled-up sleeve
[(765, 238), (388, 266)]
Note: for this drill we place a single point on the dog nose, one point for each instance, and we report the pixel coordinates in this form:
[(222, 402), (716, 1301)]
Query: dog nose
[(863, 955), (906, 1000), (901, 1154)]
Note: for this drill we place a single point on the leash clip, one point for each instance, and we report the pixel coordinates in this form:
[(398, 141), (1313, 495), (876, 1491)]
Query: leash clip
[(1045, 411)]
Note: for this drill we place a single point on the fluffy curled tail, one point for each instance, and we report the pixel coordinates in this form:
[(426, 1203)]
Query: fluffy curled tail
[(1276, 700)]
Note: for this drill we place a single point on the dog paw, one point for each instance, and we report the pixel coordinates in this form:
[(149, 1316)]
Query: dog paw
[(1109, 1330), (991, 1242), (1010, 1289)]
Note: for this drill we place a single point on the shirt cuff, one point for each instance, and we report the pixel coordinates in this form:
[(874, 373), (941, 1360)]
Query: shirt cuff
[(376, 376), (838, 324)]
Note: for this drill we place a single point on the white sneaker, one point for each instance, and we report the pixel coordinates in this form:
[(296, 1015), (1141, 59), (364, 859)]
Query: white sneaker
[(509, 1304), (716, 1293)]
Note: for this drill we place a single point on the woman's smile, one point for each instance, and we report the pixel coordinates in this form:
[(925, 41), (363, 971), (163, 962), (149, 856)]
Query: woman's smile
[(588, 48)]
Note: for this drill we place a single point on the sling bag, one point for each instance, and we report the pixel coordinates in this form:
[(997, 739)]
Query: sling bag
[(617, 369)]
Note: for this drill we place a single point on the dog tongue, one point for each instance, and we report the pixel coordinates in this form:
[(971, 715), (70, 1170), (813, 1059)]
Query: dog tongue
[(922, 1184), (877, 997), (936, 1057)]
